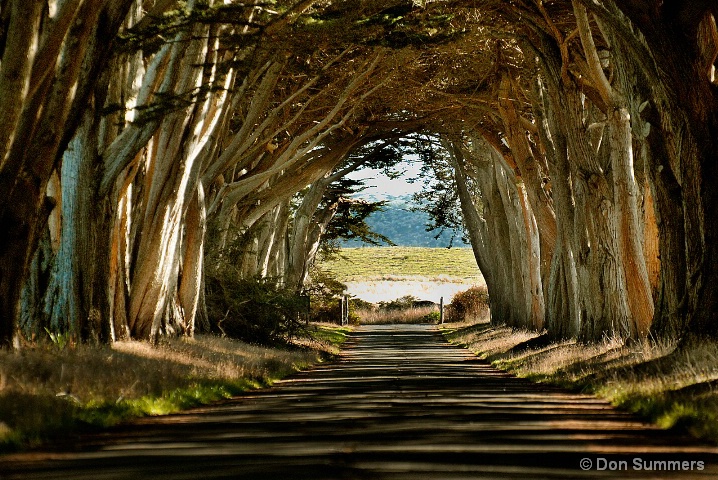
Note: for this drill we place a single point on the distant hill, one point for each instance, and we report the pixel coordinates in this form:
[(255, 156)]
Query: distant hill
[(404, 227)]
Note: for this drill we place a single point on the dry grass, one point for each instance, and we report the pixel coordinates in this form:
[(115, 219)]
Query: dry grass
[(377, 263), (45, 390), (671, 387), (406, 316)]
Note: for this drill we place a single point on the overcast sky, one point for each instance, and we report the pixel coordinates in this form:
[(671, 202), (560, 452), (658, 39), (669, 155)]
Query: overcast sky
[(380, 186)]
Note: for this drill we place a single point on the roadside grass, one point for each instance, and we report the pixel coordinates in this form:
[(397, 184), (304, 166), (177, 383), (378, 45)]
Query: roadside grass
[(326, 337), (47, 392), (417, 315), (404, 263), (673, 388)]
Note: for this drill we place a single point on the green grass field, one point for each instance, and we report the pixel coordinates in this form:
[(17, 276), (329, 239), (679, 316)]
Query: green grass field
[(372, 263)]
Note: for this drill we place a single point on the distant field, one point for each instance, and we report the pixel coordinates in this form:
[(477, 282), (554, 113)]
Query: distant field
[(380, 274), (388, 263)]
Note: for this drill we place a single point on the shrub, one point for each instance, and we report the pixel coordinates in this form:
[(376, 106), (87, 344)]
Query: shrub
[(325, 292), (331, 311), (403, 310), (254, 310), (469, 305), (403, 303), (432, 317)]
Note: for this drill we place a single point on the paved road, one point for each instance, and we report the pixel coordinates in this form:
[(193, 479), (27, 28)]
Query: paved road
[(400, 404)]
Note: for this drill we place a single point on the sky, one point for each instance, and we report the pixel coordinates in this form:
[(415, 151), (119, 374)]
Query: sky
[(379, 186)]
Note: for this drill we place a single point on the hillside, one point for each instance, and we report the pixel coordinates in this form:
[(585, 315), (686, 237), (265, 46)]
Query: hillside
[(380, 274), (441, 264), (405, 227)]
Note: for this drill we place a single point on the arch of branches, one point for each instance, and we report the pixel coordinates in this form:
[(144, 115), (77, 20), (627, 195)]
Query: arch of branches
[(581, 137)]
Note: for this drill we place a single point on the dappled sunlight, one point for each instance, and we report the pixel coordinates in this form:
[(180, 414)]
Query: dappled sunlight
[(400, 401), (491, 340), (44, 388), (667, 385), (146, 350)]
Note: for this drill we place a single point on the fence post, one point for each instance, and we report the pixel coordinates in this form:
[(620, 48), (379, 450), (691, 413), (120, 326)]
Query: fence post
[(346, 310), (441, 311), (341, 319), (309, 308)]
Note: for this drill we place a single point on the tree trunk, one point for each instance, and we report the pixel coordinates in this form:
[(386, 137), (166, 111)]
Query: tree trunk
[(192, 260), (79, 301), (302, 226), (64, 73), (563, 313), (475, 224)]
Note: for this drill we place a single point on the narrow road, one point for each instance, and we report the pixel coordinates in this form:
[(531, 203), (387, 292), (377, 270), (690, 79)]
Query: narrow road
[(400, 404)]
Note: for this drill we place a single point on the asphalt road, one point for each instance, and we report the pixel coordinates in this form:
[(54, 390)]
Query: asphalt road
[(401, 403)]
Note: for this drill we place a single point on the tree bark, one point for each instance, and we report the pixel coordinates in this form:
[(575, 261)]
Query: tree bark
[(51, 111), (192, 260), (684, 146)]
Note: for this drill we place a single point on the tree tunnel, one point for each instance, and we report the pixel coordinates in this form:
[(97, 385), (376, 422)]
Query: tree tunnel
[(579, 137)]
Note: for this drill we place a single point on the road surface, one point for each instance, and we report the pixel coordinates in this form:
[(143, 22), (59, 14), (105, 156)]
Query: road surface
[(400, 403)]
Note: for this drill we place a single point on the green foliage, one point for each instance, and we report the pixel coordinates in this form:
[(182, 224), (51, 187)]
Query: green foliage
[(349, 221), (331, 312), (361, 304), (258, 311), (254, 310), (430, 218), (403, 303), (406, 25), (439, 198), (432, 317), (150, 36), (396, 25), (326, 311), (323, 285), (59, 339), (468, 305), (326, 292)]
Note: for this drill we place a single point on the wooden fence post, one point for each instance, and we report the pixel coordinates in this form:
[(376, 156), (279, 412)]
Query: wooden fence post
[(341, 319), (441, 311), (346, 310)]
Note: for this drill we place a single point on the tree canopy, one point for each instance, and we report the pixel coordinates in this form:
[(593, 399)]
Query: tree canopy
[(579, 138)]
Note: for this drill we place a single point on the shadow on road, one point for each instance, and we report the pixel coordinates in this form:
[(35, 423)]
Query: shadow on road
[(400, 403)]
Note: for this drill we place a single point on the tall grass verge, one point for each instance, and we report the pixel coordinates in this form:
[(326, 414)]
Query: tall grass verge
[(46, 392), (406, 316), (673, 388)]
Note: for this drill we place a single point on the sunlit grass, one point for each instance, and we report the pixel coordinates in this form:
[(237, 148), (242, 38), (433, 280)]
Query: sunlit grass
[(404, 263), (46, 391), (328, 337), (671, 387), (404, 316)]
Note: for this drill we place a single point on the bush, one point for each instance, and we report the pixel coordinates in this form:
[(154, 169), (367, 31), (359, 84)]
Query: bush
[(326, 312), (254, 310), (469, 305), (326, 293), (403, 303), (431, 317), (403, 310), (331, 311)]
